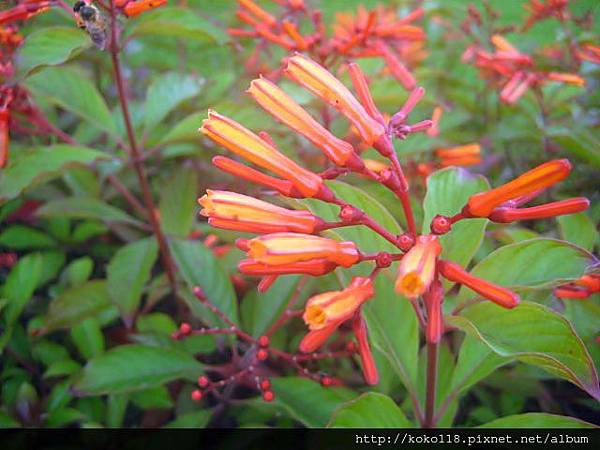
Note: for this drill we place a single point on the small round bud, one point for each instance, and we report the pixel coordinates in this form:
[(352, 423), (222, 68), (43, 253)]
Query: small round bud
[(326, 381), (263, 341), (268, 396), (351, 346), (265, 384), (203, 381), (196, 395), (185, 328), (440, 224), (406, 241), (384, 259), (349, 213), (262, 354)]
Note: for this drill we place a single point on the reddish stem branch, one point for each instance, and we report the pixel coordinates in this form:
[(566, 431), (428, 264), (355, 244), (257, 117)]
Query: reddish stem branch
[(432, 362), (135, 155)]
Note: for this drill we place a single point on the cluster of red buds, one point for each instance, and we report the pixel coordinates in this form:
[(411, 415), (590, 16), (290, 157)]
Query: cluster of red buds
[(253, 368), (582, 288), (289, 242), (544, 9), (512, 71), (375, 33)]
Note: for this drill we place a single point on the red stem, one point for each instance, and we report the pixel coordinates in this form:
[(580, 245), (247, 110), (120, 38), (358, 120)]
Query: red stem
[(432, 362)]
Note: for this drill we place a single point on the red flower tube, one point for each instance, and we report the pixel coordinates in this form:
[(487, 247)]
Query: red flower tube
[(498, 294), (369, 369), (570, 206), (547, 174)]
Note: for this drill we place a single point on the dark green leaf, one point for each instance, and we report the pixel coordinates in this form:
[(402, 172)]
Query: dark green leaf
[(370, 410), (50, 46), (21, 237), (127, 274), (85, 208), (41, 165), (130, 368), (537, 420)]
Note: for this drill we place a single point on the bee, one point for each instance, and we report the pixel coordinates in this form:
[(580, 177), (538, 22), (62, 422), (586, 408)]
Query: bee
[(92, 20)]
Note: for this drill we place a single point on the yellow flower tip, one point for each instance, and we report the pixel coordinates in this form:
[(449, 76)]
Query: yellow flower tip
[(328, 88), (502, 44), (417, 268)]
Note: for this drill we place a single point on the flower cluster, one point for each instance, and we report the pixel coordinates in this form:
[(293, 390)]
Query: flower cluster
[(582, 288), (512, 71), (377, 33), (288, 241)]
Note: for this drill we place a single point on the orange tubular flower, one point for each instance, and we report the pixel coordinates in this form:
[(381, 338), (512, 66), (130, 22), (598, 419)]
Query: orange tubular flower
[(262, 15), (248, 145), (541, 177), (435, 121), (568, 78), (570, 206), (398, 70), (279, 249), (498, 294), (324, 85), (138, 7), (233, 211), (417, 267), (4, 138), (315, 267), (462, 155), (285, 109), (333, 308), (369, 369), (589, 52)]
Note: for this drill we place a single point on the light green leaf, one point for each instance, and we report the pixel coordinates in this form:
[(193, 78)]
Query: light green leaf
[(447, 192), (178, 202), (199, 267), (194, 419), (127, 274), (88, 338), (74, 91), (533, 334), (307, 401), (185, 130), (578, 229), (579, 142), (21, 237), (175, 22), (86, 208), (531, 264), (166, 92), (77, 304), (370, 410), (41, 165), (135, 367), (50, 46), (537, 420)]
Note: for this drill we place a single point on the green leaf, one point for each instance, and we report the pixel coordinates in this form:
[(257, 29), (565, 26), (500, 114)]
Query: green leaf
[(50, 46), (178, 202), (185, 130), (135, 367), (370, 410), (72, 90), (88, 338), (195, 419), (156, 397), (259, 311), (578, 229), (537, 420), (199, 267), (166, 92), (77, 304), (307, 401), (531, 264), (447, 192), (533, 334), (21, 237), (580, 142), (127, 275), (175, 22), (41, 165), (77, 272), (85, 208)]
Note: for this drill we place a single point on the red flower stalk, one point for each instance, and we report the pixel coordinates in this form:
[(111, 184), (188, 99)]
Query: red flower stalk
[(570, 206), (137, 7), (281, 249), (498, 294), (417, 268), (541, 177), (243, 142), (4, 137), (328, 88), (286, 110), (369, 369), (233, 211), (433, 305)]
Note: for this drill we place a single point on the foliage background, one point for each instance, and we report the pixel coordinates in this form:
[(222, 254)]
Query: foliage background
[(86, 312)]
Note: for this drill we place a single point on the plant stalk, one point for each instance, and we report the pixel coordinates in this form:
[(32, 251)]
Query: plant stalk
[(432, 362)]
